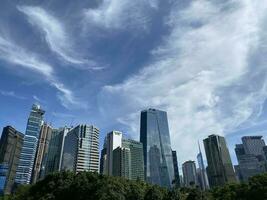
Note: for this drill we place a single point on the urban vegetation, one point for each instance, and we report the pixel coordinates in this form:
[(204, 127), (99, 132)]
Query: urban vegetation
[(92, 186)]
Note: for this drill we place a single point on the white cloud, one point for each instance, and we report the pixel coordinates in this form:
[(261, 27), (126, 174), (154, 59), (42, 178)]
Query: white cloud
[(56, 36), (202, 74), (14, 54), (12, 94), (121, 14)]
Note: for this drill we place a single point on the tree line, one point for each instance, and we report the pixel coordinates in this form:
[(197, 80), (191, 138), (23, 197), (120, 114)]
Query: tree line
[(92, 186)]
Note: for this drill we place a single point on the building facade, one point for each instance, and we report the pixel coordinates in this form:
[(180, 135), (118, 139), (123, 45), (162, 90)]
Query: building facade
[(202, 174), (29, 148), (42, 151), (220, 169), (251, 157), (176, 169), (190, 174), (81, 149), (10, 148), (114, 140), (155, 137)]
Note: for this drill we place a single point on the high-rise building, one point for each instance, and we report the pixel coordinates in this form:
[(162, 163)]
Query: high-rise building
[(10, 148), (190, 174), (81, 149), (42, 150), (251, 157), (220, 169), (202, 174), (155, 137), (176, 169), (103, 159), (55, 150), (136, 167), (114, 140), (122, 162), (28, 152)]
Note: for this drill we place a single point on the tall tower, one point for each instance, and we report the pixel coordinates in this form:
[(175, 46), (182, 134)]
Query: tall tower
[(190, 173), (28, 152), (42, 150), (220, 168), (114, 140), (154, 134), (10, 149), (176, 169), (81, 149), (204, 183)]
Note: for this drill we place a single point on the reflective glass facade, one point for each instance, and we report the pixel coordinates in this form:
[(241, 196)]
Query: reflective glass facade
[(154, 134), (81, 149), (28, 152)]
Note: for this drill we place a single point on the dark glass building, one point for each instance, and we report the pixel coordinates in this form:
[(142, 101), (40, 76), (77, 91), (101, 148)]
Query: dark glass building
[(220, 169), (10, 148), (176, 169), (155, 137)]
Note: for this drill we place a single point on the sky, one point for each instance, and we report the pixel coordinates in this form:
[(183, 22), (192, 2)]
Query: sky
[(101, 62)]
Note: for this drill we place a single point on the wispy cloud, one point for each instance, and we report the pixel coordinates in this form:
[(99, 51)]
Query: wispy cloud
[(121, 14), (12, 94), (56, 36), (203, 73), (18, 56)]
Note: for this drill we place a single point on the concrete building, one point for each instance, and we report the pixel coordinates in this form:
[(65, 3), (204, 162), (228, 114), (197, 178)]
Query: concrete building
[(42, 150), (29, 148), (81, 149), (220, 169), (114, 140), (10, 148), (155, 137), (190, 174)]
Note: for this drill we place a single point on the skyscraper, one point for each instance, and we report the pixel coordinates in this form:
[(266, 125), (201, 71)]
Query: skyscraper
[(81, 149), (154, 134), (190, 174), (136, 167), (103, 158), (55, 150), (28, 152), (176, 169), (114, 140), (203, 178), (122, 162), (10, 149), (220, 168), (42, 150), (250, 156)]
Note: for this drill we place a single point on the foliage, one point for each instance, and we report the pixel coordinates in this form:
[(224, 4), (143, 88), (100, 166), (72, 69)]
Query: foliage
[(92, 186)]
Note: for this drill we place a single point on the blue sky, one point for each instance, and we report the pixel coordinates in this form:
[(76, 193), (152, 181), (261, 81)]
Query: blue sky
[(102, 61)]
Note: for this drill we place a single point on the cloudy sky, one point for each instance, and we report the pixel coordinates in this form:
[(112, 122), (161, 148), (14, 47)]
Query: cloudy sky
[(102, 61)]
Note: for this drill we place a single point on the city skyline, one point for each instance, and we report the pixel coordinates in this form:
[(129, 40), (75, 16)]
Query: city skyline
[(101, 67)]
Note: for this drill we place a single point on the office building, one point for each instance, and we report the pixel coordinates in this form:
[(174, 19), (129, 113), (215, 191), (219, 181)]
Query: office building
[(103, 159), (55, 151), (81, 149), (155, 137), (176, 169), (190, 173), (202, 174), (42, 150), (29, 148), (122, 162), (10, 148), (136, 159), (220, 169), (114, 140), (251, 157)]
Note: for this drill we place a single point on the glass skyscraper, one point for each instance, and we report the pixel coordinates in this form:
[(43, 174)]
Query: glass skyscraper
[(154, 134), (28, 152), (81, 149), (220, 169)]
